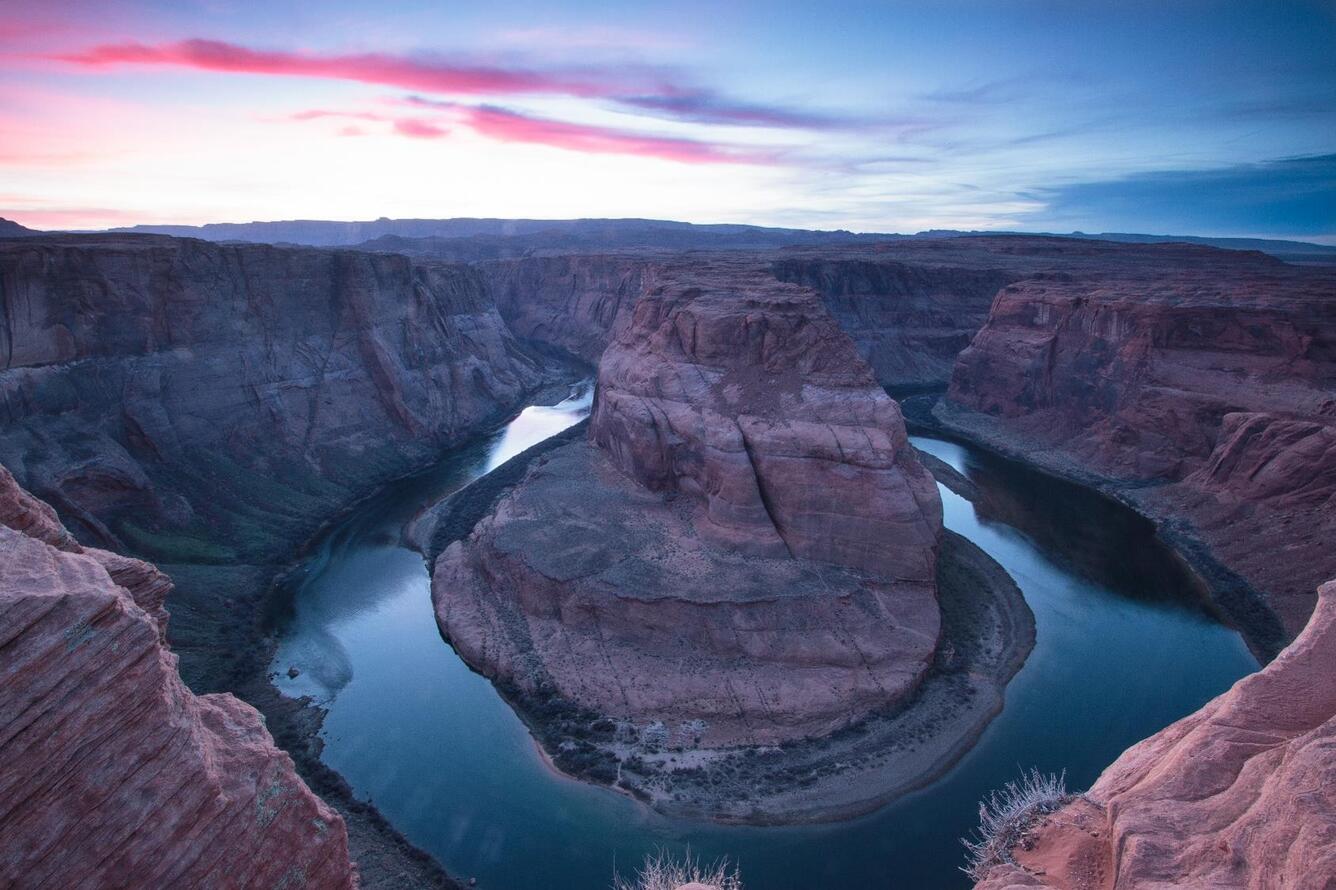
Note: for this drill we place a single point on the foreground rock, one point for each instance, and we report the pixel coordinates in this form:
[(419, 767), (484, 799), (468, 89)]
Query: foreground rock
[(1240, 794), (744, 553), (1210, 376), (112, 773)]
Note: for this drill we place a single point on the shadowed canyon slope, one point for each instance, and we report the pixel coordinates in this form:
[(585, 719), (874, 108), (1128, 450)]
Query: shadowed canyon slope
[(1241, 794), (1201, 387), (112, 773), (750, 547), (211, 406), (206, 405)]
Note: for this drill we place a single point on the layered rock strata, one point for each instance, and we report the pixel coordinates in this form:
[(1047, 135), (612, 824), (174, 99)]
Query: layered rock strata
[(207, 406), (112, 773), (1206, 395), (747, 548), (1240, 794)]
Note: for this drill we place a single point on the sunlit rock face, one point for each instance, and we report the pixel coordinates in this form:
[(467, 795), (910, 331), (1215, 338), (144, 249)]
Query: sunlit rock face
[(747, 542), (1210, 373), (1240, 794), (112, 773)]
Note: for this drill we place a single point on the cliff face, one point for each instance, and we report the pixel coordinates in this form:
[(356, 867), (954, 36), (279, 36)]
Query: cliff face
[(572, 302), (909, 320), (744, 392), (208, 406), (1240, 794), (750, 548), (112, 773), (1217, 383)]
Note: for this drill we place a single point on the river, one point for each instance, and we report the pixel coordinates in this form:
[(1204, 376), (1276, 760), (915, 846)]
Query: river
[(1123, 647)]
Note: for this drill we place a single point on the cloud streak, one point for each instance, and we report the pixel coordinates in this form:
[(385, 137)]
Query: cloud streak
[(413, 73), (510, 126), (631, 87)]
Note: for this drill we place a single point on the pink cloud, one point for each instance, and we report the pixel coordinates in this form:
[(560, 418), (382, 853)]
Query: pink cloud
[(406, 72), (419, 129), (637, 88), (313, 114), (509, 126), (352, 131), (63, 217)]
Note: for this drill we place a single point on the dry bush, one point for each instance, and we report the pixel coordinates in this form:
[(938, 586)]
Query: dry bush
[(664, 872), (1005, 816)]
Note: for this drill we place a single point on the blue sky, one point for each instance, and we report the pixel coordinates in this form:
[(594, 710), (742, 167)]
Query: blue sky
[(1167, 117)]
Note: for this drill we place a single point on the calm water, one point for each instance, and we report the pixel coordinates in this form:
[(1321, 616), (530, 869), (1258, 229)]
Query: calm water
[(1123, 649)]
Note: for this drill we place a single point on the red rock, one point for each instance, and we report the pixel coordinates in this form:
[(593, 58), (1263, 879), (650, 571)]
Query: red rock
[(746, 393), (1240, 794), (752, 544), (1215, 376), (112, 773)]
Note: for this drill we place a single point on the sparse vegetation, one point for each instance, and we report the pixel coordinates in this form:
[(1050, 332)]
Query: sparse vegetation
[(662, 871), (1005, 816)]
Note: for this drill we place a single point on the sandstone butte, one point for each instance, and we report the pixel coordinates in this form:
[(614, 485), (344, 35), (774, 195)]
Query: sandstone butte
[(1240, 794), (112, 773), (749, 541)]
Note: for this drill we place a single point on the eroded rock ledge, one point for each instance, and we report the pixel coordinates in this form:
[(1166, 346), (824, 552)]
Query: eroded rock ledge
[(742, 556), (1202, 394), (112, 773), (1240, 794)]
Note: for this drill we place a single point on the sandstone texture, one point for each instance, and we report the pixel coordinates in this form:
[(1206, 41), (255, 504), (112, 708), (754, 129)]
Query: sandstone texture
[(112, 773), (747, 546), (1202, 386), (744, 393), (1241, 794)]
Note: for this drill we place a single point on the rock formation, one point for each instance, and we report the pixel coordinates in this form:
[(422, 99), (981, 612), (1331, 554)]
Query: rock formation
[(745, 393), (112, 773), (1212, 373), (750, 549), (1241, 794)]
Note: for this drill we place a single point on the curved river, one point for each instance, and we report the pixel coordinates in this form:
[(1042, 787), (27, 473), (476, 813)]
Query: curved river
[(1123, 648)]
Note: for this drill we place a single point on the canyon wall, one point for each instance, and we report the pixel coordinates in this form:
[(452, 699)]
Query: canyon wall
[(1203, 391), (1240, 794), (747, 548), (208, 406), (573, 302), (909, 320), (112, 773)]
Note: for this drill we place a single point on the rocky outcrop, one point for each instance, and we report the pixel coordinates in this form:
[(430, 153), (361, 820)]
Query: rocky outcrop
[(208, 406), (745, 393), (112, 773), (1241, 794), (748, 552), (1209, 375)]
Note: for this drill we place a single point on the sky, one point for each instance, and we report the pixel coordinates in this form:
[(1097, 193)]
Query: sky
[(1165, 117)]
